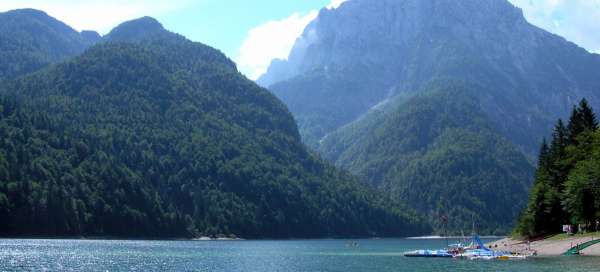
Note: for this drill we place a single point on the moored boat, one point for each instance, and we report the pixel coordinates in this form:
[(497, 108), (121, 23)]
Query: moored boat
[(424, 253), (480, 252), (476, 251)]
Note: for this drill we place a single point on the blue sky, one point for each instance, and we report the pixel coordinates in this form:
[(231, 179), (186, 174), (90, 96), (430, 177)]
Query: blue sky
[(225, 26), (252, 32)]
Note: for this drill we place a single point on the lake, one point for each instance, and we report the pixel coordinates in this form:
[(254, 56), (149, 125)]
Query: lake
[(295, 255)]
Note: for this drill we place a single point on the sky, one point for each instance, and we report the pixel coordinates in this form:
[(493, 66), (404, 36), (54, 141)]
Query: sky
[(253, 32)]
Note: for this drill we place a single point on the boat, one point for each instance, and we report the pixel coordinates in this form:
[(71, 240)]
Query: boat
[(475, 251), (479, 251), (424, 253), (493, 255), (449, 252)]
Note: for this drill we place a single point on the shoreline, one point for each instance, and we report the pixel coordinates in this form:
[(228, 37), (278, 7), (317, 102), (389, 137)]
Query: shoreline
[(436, 237), (206, 238), (548, 247)]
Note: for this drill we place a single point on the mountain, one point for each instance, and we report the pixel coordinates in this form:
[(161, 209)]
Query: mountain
[(437, 151), (148, 134), (31, 40), (396, 47), (356, 66), (137, 30)]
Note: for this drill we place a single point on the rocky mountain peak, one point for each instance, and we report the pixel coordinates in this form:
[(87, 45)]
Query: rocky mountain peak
[(377, 32)]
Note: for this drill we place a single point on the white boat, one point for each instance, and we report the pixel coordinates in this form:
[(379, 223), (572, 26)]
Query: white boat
[(429, 253), (479, 251)]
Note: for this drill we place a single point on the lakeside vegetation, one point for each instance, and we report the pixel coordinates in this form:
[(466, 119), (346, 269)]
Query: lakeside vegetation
[(567, 180)]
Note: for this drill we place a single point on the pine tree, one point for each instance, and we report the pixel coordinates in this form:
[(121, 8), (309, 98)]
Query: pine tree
[(587, 115), (557, 173), (537, 218), (575, 126), (558, 154), (582, 119), (544, 157)]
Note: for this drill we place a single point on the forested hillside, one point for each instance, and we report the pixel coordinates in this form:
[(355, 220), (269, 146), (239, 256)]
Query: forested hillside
[(351, 77), (567, 179), (438, 152), (31, 40), (158, 136)]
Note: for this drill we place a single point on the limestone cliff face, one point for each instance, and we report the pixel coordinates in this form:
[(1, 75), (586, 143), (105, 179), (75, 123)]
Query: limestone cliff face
[(434, 101), (352, 58), (386, 32)]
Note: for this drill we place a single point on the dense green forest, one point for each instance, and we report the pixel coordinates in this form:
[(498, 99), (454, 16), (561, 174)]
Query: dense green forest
[(567, 179), (162, 137), (439, 152), (31, 40)]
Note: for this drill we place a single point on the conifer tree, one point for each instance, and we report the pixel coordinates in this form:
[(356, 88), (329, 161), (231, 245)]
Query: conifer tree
[(575, 126), (556, 174), (557, 155), (587, 115), (582, 119), (567, 182), (544, 157), (536, 219)]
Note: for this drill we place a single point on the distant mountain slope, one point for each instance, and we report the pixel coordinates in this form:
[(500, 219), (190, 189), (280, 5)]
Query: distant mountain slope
[(438, 152), (351, 73), (379, 49), (30, 40), (159, 136)]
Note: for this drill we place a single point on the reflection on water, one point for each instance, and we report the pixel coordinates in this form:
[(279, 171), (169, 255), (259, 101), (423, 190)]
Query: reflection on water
[(297, 255)]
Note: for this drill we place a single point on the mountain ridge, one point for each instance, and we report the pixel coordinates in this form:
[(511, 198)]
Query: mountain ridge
[(358, 64), (31, 39), (408, 48), (159, 136)]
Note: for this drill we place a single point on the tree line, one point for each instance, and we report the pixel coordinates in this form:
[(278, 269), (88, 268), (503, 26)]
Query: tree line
[(566, 190)]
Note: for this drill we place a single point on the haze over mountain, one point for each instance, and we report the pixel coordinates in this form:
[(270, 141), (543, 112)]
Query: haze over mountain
[(355, 77), (148, 134), (30, 40)]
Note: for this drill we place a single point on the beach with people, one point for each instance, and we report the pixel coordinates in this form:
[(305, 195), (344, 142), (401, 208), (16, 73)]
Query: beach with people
[(551, 246)]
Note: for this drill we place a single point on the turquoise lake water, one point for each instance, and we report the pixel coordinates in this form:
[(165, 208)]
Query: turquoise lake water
[(298, 255)]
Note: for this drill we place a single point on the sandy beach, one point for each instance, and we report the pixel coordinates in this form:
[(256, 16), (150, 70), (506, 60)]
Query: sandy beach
[(548, 247)]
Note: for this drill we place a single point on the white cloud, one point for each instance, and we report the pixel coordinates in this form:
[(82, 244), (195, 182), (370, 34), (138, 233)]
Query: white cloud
[(335, 4), (273, 40), (576, 20), (99, 15), (269, 41)]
